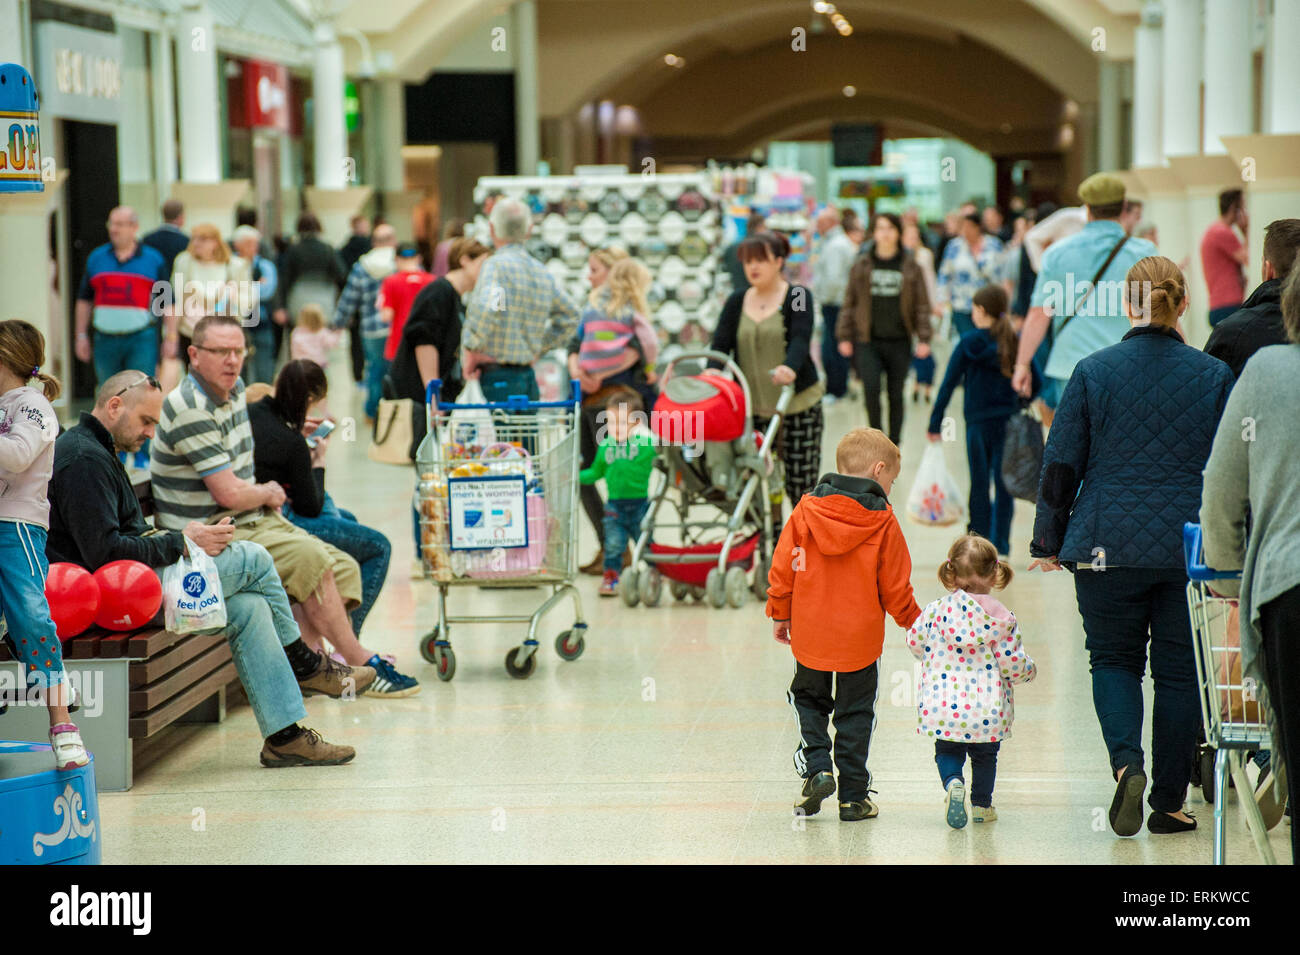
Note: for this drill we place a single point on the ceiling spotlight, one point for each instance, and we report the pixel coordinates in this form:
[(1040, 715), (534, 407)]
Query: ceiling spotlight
[(821, 6), (672, 59), (850, 91), (844, 27)]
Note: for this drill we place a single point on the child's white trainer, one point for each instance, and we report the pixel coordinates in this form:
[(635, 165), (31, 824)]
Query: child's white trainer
[(983, 814), (69, 750), (955, 804)]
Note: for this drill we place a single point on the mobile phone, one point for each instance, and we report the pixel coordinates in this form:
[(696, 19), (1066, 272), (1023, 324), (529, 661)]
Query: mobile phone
[(314, 438)]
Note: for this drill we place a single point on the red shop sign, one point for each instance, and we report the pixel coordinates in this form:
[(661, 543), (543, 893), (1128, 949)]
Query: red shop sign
[(266, 95)]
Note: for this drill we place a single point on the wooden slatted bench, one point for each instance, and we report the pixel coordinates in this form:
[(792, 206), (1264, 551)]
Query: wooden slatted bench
[(132, 685)]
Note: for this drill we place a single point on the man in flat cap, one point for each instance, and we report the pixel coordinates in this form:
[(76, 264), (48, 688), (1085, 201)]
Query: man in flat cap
[(1079, 295)]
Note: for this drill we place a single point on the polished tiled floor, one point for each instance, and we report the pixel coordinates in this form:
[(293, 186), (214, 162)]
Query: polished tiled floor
[(669, 740)]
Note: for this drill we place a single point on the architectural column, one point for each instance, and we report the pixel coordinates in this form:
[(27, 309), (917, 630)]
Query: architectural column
[(1180, 84), (136, 172), (1282, 69), (164, 110), (11, 34), (327, 105), (196, 78), (527, 131), (1148, 82), (1108, 95), (390, 133), (1227, 72)]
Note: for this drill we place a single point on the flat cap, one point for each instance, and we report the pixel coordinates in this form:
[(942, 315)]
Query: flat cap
[(1101, 189)]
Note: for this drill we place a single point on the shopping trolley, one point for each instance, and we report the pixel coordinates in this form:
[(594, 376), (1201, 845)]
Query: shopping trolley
[(496, 495), (1234, 723)]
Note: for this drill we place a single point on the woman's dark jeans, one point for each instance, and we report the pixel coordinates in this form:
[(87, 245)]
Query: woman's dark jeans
[(1279, 621), (367, 546), (890, 359), (1124, 609)]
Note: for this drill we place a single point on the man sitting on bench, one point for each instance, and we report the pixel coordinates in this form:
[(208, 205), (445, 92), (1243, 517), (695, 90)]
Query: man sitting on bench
[(95, 519)]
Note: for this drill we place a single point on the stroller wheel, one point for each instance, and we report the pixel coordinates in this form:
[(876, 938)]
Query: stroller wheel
[(679, 590), (715, 589), (627, 587), (737, 586), (652, 586)]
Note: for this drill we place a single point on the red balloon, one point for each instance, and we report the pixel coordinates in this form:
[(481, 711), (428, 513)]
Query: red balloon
[(129, 595), (73, 596)]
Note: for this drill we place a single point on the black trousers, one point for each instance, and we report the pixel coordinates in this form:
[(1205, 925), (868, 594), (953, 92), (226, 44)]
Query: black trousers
[(1280, 622), (891, 359), (851, 697), (356, 350)]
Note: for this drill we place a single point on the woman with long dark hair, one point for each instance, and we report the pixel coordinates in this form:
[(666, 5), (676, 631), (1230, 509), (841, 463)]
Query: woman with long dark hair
[(283, 452)]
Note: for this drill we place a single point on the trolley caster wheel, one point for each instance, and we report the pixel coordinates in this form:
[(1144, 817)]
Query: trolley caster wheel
[(652, 586), (736, 586), (569, 645), (679, 590), (627, 587), (429, 645), (715, 588), (445, 663), (517, 671), (698, 593), (759, 586), (1207, 774)]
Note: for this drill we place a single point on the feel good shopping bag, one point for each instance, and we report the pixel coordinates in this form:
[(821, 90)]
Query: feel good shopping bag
[(192, 597)]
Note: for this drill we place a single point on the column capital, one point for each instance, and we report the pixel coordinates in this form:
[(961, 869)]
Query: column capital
[(1152, 14)]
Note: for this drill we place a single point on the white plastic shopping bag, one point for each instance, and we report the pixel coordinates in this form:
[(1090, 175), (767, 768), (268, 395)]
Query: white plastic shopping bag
[(192, 598), (472, 430), (934, 498)]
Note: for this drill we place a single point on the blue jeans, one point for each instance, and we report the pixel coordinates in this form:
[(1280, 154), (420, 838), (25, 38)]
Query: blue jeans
[(950, 757), (962, 323), (984, 441), (622, 523), (259, 625), (367, 546), (114, 353), (835, 364), (22, 602), (260, 365), (1124, 609), (376, 368)]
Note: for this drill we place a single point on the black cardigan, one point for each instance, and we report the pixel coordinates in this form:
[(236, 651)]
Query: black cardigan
[(281, 454), (798, 312)]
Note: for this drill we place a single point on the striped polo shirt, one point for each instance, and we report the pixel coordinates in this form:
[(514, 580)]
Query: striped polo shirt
[(197, 437), (122, 292)]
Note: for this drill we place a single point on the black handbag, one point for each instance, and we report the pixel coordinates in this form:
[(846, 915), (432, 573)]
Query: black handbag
[(1022, 454)]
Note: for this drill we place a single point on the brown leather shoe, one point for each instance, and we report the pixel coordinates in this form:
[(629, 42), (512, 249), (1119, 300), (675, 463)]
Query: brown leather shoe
[(336, 679), (596, 566), (306, 749)]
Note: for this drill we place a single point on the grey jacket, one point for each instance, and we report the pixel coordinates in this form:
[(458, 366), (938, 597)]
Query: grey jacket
[(1250, 504)]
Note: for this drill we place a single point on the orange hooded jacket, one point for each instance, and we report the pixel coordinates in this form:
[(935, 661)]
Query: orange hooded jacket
[(840, 565)]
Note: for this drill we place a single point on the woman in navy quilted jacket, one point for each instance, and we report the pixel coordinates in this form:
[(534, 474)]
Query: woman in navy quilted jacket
[(1121, 475)]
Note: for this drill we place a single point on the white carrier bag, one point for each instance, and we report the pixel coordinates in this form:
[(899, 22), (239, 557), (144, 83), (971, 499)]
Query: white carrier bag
[(192, 598), (935, 498)]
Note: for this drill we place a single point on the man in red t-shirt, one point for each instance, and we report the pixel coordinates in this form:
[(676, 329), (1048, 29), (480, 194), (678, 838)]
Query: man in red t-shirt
[(397, 293), (1223, 256)]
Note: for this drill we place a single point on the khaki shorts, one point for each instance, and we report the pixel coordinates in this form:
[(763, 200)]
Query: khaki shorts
[(301, 559)]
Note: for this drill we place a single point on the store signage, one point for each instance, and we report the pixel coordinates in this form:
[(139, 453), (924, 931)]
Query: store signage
[(20, 153), (266, 95), (351, 106), (487, 512), (80, 72)]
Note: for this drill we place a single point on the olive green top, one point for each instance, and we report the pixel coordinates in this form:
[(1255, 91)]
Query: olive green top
[(760, 347)]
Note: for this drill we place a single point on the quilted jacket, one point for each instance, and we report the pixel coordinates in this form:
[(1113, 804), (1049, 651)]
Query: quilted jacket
[(1122, 467)]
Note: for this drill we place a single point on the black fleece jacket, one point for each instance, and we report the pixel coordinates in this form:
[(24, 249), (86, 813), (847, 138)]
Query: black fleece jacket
[(94, 515)]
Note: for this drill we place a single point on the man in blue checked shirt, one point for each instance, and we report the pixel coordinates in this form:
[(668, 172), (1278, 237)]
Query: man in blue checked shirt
[(359, 297), (517, 311)]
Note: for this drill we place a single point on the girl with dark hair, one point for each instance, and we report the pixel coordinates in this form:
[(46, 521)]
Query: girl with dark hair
[(982, 363), (768, 328), (886, 305), (284, 451), (28, 427)]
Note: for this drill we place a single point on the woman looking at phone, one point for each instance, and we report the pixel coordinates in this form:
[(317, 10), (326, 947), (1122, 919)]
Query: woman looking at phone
[(289, 447)]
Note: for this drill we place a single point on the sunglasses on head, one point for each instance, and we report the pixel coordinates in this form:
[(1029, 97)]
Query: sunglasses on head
[(153, 383)]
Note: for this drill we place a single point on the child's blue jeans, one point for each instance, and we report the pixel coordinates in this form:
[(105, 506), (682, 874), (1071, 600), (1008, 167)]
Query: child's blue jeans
[(622, 523), (950, 756), (22, 602)]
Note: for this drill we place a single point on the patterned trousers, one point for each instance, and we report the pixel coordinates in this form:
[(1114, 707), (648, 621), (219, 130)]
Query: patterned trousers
[(799, 446)]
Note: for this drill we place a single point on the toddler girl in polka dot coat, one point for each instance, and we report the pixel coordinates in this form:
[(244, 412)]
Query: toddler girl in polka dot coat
[(971, 655)]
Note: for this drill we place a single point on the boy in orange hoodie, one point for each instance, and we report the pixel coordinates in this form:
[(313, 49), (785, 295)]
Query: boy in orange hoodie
[(842, 548)]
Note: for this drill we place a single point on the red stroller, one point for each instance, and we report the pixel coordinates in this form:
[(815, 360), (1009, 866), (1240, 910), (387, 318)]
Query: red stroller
[(719, 477)]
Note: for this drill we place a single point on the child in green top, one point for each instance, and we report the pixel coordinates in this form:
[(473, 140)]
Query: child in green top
[(624, 458)]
